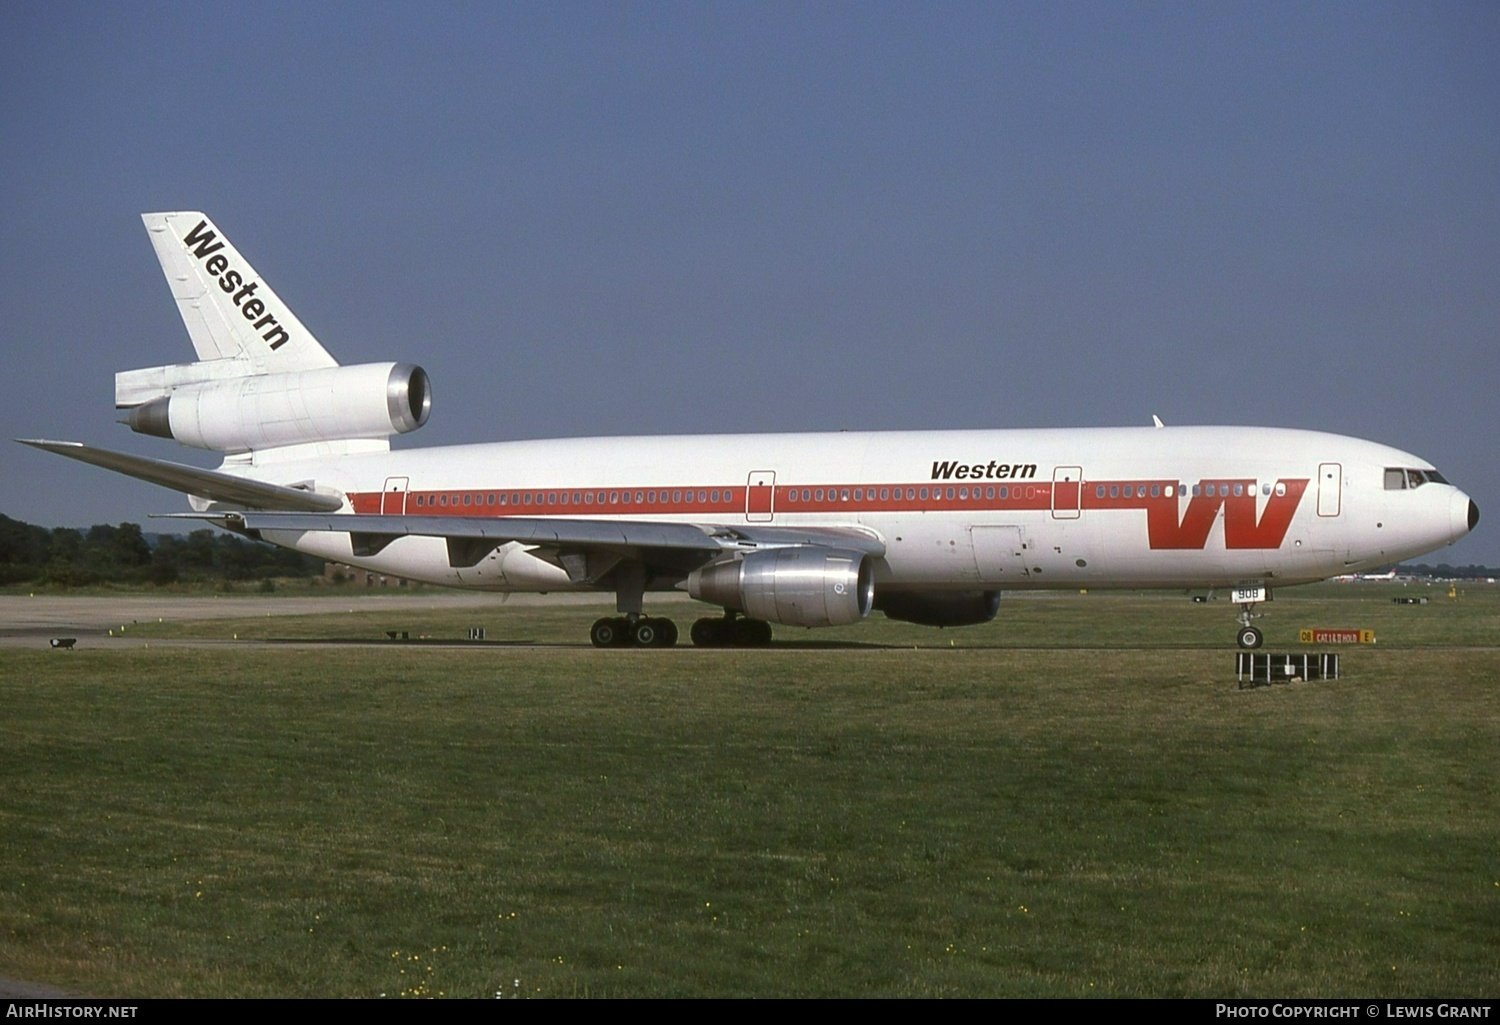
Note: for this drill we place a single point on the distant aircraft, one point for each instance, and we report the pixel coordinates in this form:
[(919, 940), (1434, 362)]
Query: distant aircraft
[(806, 530)]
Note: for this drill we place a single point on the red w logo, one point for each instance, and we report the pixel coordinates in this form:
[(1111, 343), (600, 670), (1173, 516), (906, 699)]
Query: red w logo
[(1241, 529)]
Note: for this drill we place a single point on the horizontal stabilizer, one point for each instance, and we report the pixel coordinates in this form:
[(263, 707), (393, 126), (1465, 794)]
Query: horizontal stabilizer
[(193, 480)]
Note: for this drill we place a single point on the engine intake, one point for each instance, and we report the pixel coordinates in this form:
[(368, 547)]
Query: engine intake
[(241, 414), (800, 586)]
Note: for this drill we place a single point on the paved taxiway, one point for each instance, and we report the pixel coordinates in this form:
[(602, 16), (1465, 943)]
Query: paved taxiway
[(27, 621)]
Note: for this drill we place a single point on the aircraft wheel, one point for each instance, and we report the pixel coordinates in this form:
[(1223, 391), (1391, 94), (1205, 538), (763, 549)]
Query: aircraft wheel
[(1250, 637), (666, 632), (608, 632), (708, 633), (751, 633), (647, 633)]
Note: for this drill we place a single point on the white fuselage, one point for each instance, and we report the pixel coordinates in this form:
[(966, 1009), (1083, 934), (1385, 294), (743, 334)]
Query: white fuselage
[(956, 510)]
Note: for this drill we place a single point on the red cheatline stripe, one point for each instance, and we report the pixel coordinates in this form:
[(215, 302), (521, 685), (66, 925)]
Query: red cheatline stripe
[(841, 498)]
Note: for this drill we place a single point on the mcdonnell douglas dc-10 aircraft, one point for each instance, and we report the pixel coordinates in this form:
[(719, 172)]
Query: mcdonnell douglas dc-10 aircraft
[(801, 529)]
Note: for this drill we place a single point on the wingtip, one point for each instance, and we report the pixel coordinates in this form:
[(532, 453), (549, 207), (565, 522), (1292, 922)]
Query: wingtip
[(46, 443)]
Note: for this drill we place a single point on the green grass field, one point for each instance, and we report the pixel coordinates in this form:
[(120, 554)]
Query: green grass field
[(1073, 800)]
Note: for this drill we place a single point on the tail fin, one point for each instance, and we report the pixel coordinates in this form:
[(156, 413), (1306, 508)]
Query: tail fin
[(229, 310)]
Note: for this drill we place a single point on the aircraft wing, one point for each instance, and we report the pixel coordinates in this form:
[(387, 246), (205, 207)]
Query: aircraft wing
[(194, 480), (584, 548)]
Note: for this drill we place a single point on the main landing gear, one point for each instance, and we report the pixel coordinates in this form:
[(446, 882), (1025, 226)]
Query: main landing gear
[(651, 632), (731, 632), (633, 631)]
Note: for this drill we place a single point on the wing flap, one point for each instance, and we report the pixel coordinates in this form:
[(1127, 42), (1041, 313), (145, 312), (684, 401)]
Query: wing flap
[(554, 533)]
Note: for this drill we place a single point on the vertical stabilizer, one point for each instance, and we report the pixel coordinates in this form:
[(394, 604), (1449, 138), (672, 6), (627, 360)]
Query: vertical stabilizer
[(229, 310)]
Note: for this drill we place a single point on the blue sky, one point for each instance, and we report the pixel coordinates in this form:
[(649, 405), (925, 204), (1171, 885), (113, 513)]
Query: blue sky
[(651, 218)]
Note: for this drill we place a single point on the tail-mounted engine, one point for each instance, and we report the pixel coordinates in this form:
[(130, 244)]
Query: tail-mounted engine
[(238, 413), (798, 586)]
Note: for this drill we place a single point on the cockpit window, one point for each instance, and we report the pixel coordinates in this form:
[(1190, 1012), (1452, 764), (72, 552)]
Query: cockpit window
[(1402, 478)]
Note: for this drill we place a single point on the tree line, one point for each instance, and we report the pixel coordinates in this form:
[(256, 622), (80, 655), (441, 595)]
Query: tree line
[(123, 554)]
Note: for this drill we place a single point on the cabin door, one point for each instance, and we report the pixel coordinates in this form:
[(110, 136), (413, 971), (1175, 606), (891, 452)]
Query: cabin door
[(1330, 488), (393, 497), (760, 496), (1067, 492)]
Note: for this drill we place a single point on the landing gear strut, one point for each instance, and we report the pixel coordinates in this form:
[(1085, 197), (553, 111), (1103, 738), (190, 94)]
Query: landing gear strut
[(631, 630)]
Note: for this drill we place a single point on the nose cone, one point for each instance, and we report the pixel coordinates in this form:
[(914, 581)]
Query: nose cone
[(1463, 515)]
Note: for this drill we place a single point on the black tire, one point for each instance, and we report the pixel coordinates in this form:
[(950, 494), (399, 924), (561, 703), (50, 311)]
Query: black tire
[(751, 633), (667, 633), (708, 633), (1250, 637), (605, 633), (646, 634)]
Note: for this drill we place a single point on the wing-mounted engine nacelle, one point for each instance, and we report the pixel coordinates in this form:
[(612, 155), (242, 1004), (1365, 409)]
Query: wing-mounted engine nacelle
[(244, 413), (939, 608), (798, 586)]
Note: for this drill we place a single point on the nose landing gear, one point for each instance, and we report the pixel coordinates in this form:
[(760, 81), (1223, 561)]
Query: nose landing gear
[(1249, 637)]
